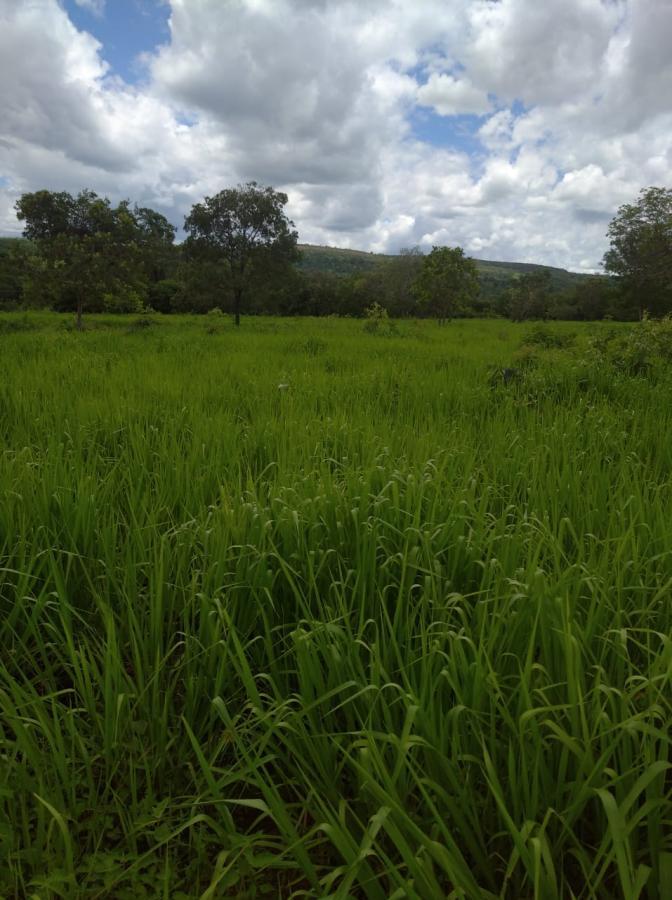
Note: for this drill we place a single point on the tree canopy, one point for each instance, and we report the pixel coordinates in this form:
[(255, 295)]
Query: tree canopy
[(641, 250), (83, 253), (90, 251), (447, 282), (529, 295), (243, 228)]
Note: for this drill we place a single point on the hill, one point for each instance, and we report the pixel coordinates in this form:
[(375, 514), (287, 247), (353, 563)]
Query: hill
[(495, 276)]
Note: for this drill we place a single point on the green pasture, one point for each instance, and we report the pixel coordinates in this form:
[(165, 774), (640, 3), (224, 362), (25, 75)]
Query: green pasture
[(304, 610)]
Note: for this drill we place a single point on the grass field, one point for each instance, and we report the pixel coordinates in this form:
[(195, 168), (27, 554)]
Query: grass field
[(298, 610)]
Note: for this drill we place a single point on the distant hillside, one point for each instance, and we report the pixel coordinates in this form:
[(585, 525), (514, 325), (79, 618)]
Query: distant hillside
[(495, 276), (338, 260)]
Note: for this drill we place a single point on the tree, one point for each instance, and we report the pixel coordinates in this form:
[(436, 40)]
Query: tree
[(157, 256), (89, 253), (398, 275), (156, 239), (447, 283), (15, 257), (591, 298), (245, 228), (641, 250), (529, 295)]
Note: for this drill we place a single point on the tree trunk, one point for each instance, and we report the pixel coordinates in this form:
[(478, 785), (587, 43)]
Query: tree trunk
[(80, 326), (236, 306)]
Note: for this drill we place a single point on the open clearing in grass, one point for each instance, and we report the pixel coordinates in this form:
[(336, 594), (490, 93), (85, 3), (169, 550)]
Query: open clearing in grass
[(396, 629)]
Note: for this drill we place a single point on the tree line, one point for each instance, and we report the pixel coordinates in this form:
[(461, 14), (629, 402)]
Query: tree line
[(82, 254)]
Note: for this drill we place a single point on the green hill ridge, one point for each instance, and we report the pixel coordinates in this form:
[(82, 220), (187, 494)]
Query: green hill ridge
[(494, 275)]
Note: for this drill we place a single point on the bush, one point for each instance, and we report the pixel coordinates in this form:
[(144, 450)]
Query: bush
[(378, 320), (125, 300), (637, 350), (550, 340), (215, 320), (161, 295), (525, 361)]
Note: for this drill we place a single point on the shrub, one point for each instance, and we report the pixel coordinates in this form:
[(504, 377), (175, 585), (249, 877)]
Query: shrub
[(544, 337), (637, 350), (378, 320), (215, 320), (125, 300), (161, 295)]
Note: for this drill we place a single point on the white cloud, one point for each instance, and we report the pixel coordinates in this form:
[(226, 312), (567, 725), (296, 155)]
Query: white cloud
[(318, 98), (97, 7), (496, 132), (539, 52), (451, 96)]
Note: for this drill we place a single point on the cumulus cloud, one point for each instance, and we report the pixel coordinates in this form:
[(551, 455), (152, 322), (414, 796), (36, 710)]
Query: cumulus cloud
[(539, 52), (97, 7), (321, 99), (451, 96)]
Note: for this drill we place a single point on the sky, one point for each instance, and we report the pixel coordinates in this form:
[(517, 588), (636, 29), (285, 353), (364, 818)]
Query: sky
[(512, 128)]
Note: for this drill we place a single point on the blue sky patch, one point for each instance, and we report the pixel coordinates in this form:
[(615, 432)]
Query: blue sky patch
[(453, 132), (126, 29)]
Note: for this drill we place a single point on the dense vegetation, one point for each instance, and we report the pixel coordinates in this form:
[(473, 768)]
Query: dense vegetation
[(12, 271), (321, 609), (327, 281), (496, 277), (241, 255)]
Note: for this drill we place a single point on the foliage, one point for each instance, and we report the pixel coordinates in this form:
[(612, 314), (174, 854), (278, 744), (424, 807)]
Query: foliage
[(398, 276), (244, 229), (545, 337), (312, 294), (215, 319), (495, 277), (136, 257), (641, 350), (89, 253), (338, 260), (529, 296), (378, 321), (641, 250), (390, 284), (154, 238), (325, 281), (162, 295), (124, 299), (591, 299), (392, 632), (202, 285), (446, 283), (14, 258)]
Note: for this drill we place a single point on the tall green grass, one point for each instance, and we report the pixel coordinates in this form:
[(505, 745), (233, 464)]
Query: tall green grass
[(299, 611)]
